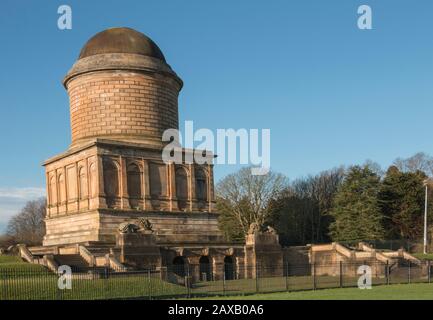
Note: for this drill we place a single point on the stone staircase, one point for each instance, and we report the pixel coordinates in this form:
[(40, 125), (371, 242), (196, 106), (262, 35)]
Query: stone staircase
[(362, 253), (91, 257), (75, 261)]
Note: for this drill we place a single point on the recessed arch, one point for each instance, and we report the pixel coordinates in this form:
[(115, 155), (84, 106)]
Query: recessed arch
[(62, 188), (182, 187), (83, 183), (201, 184), (229, 268), (111, 181), (53, 190), (179, 266), (93, 183), (134, 184), (205, 268)]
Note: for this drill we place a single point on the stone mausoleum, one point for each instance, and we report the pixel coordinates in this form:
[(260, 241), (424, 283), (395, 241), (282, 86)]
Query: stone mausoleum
[(112, 201)]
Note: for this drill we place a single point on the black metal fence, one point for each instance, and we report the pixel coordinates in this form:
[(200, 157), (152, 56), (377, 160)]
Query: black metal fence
[(194, 280)]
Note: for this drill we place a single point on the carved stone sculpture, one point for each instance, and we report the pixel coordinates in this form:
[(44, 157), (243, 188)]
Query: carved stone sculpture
[(145, 224), (254, 227), (127, 227)]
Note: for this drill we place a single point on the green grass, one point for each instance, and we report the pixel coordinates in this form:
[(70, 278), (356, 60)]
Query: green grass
[(16, 263), (420, 291), (20, 280), (44, 287), (422, 256)]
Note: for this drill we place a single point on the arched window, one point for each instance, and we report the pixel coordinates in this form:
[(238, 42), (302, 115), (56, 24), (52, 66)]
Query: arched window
[(53, 191), (158, 180), (200, 184), (62, 188), (82, 176), (134, 184), (181, 187), (111, 181)]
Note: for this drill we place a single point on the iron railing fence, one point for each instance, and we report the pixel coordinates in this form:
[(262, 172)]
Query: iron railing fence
[(199, 280)]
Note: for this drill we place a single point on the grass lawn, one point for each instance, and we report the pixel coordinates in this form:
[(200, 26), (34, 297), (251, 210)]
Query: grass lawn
[(16, 263), (20, 280), (420, 291), (422, 256)]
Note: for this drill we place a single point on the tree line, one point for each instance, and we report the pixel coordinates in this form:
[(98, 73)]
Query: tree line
[(359, 202)]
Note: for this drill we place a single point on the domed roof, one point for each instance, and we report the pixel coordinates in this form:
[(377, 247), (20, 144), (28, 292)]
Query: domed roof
[(121, 40)]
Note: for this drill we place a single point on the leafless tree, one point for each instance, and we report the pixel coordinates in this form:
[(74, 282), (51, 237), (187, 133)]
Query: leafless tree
[(420, 161), (247, 197), (28, 225), (6, 241)]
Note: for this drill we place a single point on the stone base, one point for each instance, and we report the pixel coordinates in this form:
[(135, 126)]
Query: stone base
[(171, 228), (263, 255), (138, 250)]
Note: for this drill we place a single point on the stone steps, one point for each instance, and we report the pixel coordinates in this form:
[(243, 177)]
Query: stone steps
[(76, 262)]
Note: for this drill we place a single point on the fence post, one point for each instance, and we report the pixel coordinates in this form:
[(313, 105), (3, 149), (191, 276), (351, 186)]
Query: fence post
[(287, 276), (341, 274), (150, 284), (257, 278), (408, 272), (187, 282), (314, 275), (428, 271), (224, 282), (105, 281), (387, 271), (3, 285)]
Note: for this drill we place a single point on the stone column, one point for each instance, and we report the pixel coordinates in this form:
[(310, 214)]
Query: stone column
[(49, 196), (101, 203), (218, 266), (194, 267), (124, 196), (146, 186), (211, 191), (192, 193), (172, 187)]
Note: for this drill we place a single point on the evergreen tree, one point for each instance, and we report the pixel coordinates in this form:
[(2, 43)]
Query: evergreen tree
[(356, 211), (402, 203)]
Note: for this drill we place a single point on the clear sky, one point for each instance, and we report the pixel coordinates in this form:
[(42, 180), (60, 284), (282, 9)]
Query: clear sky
[(330, 93)]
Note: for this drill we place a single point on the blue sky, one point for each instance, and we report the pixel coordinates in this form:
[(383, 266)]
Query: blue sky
[(330, 93)]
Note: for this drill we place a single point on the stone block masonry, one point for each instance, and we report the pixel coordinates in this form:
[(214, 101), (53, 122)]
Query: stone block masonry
[(121, 105)]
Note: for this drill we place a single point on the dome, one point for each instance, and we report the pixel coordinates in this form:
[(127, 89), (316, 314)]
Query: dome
[(121, 40)]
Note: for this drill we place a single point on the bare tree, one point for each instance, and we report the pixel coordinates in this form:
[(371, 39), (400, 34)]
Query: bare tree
[(246, 197), (6, 241), (28, 225), (418, 162)]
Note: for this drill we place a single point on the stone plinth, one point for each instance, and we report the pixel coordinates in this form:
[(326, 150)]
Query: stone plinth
[(138, 249), (263, 255)]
